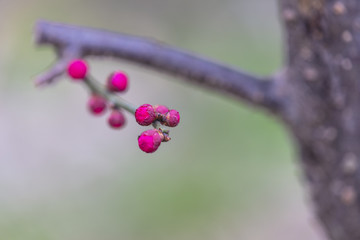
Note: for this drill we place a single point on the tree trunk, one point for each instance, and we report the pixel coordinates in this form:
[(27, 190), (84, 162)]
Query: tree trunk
[(322, 88), (317, 95)]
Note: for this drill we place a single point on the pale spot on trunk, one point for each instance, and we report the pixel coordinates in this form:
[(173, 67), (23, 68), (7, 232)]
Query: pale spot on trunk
[(339, 8)]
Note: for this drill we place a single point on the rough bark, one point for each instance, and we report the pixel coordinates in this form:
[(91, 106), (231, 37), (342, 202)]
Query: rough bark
[(322, 84), (316, 95)]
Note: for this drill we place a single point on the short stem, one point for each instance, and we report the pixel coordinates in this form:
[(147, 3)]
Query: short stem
[(98, 89), (156, 124)]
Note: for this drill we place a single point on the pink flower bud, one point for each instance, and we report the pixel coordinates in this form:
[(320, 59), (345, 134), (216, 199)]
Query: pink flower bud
[(172, 118), (97, 104), (145, 115), (77, 69), (150, 140), (161, 109), (116, 119), (117, 82)]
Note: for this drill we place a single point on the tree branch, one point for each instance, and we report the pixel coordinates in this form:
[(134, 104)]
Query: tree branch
[(77, 42)]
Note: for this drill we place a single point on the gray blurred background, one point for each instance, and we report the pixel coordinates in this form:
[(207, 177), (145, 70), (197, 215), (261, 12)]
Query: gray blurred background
[(229, 172)]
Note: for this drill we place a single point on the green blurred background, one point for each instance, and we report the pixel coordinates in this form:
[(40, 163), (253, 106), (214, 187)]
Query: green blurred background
[(229, 172)]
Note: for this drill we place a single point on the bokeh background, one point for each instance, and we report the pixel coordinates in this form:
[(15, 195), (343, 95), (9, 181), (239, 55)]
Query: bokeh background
[(229, 172)]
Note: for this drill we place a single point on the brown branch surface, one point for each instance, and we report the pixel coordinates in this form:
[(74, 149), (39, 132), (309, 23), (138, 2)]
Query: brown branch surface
[(78, 42)]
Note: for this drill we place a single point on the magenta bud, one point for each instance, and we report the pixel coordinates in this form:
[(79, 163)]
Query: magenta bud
[(172, 118), (116, 119), (97, 104), (117, 82), (145, 115), (77, 69), (150, 140), (161, 109)]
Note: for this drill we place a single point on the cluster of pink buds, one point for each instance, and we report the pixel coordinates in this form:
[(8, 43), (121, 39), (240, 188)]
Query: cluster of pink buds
[(145, 115), (102, 97), (98, 103)]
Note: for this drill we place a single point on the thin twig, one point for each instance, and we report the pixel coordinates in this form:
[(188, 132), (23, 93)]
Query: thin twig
[(114, 99)]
